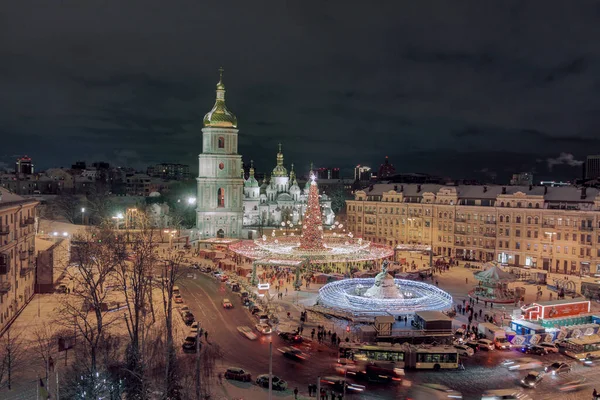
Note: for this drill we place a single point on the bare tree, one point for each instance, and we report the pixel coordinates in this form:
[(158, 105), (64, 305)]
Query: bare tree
[(134, 274), (46, 338), (86, 310), (12, 357), (172, 269), (67, 206)]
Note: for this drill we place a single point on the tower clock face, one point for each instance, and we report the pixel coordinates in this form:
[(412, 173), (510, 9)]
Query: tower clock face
[(221, 166)]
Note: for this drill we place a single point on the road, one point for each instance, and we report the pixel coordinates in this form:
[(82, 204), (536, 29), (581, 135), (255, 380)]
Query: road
[(483, 371)]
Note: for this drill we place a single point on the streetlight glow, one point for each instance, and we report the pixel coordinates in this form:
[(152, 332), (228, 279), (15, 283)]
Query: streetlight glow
[(191, 200)]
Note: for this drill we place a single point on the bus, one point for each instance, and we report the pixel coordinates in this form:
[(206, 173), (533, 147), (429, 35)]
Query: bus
[(582, 347), (396, 357)]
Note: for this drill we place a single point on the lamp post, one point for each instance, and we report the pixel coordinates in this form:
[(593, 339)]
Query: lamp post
[(117, 218), (82, 215)]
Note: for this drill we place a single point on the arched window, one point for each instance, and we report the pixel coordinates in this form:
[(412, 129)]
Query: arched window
[(501, 220), (529, 205), (501, 205), (518, 220), (529, 220), (518, 204), (537, 205), (537, 220), (221, 142), (507, 219), (221, 197)]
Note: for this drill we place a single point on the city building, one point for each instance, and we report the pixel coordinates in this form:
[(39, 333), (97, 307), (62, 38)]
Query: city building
[(551, 228), (220, 176), (52, 261), (386, 170), (592, 167), (362, 173), (170, 171), (522, 179), (327, 173), (279, 200), (24, 166), (17, 251)]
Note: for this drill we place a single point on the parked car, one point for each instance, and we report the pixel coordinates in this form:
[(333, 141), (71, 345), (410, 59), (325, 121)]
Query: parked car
[(246, 331), (235, 287), (291, 337), (293, 353), (473, 345), (194, 327), (276, 382), (223, 278), (464, 350), (337, 384), (535, 350), (184, 308), (195, 266), (255, 310), (486, 344), (265, 329), (238, 374), (188, 318), (227, 303), (189, 344), (532, 379), (178, 299), (558, 368)]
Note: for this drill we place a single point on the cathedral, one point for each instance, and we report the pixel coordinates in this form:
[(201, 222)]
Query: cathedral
[(229, 205), (279, 200)]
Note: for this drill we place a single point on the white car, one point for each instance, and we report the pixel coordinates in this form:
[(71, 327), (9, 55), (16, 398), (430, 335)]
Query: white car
[(486, 344), (265, 329), (247, 332), (550, 347), (522, 364), (464, 350)]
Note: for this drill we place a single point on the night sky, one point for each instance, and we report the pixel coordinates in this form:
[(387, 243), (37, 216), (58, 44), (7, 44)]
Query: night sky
[(468, 88)]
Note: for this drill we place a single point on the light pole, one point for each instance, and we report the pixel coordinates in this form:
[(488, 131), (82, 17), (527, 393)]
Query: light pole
[(270, 369), (82, 215), (117, 218)]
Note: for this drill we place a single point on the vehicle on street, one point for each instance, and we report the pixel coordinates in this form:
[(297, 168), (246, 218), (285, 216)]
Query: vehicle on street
[(178, 299), (194, 327), (265, 329), (176, 290), (246, 331), (558, 368), (291, 337), (223, 278), (62, 288), (522, 364), (464, 350), (486, 344), (494, 333), (255, 310), (337, 384), (293, 353), (532, 379), (432, 391), (238, 374), (472, 344), (535, 350), (235, 287), (189, 344), (505, 394), (183, 308), (227, 303), (574, 386), (550, 347), (276, 382), (188, 318), (195, 266)]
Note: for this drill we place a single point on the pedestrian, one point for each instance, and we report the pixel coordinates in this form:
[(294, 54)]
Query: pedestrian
[(286, 291), (296, 393), (332, 395), (312, 334), (51, 364), (220, 376), (467, 281), (340, 396), (485, 303), (480, 312), (437, 283), (491, 304), (323, 394), (595, 394)]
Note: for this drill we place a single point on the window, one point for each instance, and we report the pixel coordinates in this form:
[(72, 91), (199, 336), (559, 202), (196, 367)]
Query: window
[(518, 220), (518, 233), (501, 218), (507, 219), (221, 197), (221, 166), (221, 142)]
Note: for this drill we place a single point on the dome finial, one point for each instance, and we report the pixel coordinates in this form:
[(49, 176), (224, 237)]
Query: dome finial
[(251, 163), (220, 116), (280, 147), (220, 84)]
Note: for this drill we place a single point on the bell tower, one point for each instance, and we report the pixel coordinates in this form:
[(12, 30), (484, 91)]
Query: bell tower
[(219, 210)]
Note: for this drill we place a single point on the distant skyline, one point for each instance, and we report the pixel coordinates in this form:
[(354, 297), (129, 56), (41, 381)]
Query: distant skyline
[(466, 89)]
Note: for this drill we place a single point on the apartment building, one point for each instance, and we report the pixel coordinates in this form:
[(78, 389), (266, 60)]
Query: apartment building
[(17, 253), (553, 228)]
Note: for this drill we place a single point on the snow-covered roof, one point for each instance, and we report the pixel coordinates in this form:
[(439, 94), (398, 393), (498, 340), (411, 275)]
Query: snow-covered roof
[(565, 194)]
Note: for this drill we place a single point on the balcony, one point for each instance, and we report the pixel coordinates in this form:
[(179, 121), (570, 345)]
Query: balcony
[(586, 228), (4, 265), (4, 230), (490, 222), (490, 234), (23, 255), (30, 220), (548, 225), (457, 219), (370, 212), (24, 271), (456, 231), (23, 223), (31, 251), (4, 287)]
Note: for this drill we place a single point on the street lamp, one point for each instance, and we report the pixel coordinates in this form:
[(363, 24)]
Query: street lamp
[(191, 200), (82, 215), (117, 217)]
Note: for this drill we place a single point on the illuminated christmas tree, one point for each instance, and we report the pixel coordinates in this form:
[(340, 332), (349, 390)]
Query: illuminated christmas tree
[(312, 228)]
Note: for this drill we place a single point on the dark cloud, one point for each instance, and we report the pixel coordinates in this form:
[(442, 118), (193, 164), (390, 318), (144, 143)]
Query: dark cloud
[(451, 89)]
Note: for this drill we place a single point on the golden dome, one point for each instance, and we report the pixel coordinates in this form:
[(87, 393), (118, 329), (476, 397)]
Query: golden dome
[(220, 116)]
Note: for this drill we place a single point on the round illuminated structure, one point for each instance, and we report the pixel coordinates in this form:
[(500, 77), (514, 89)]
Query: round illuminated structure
[(383, 294)]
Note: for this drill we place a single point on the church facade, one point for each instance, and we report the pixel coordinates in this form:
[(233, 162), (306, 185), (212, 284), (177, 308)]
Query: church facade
[(280, 200), (220, 183), (229, 205)]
